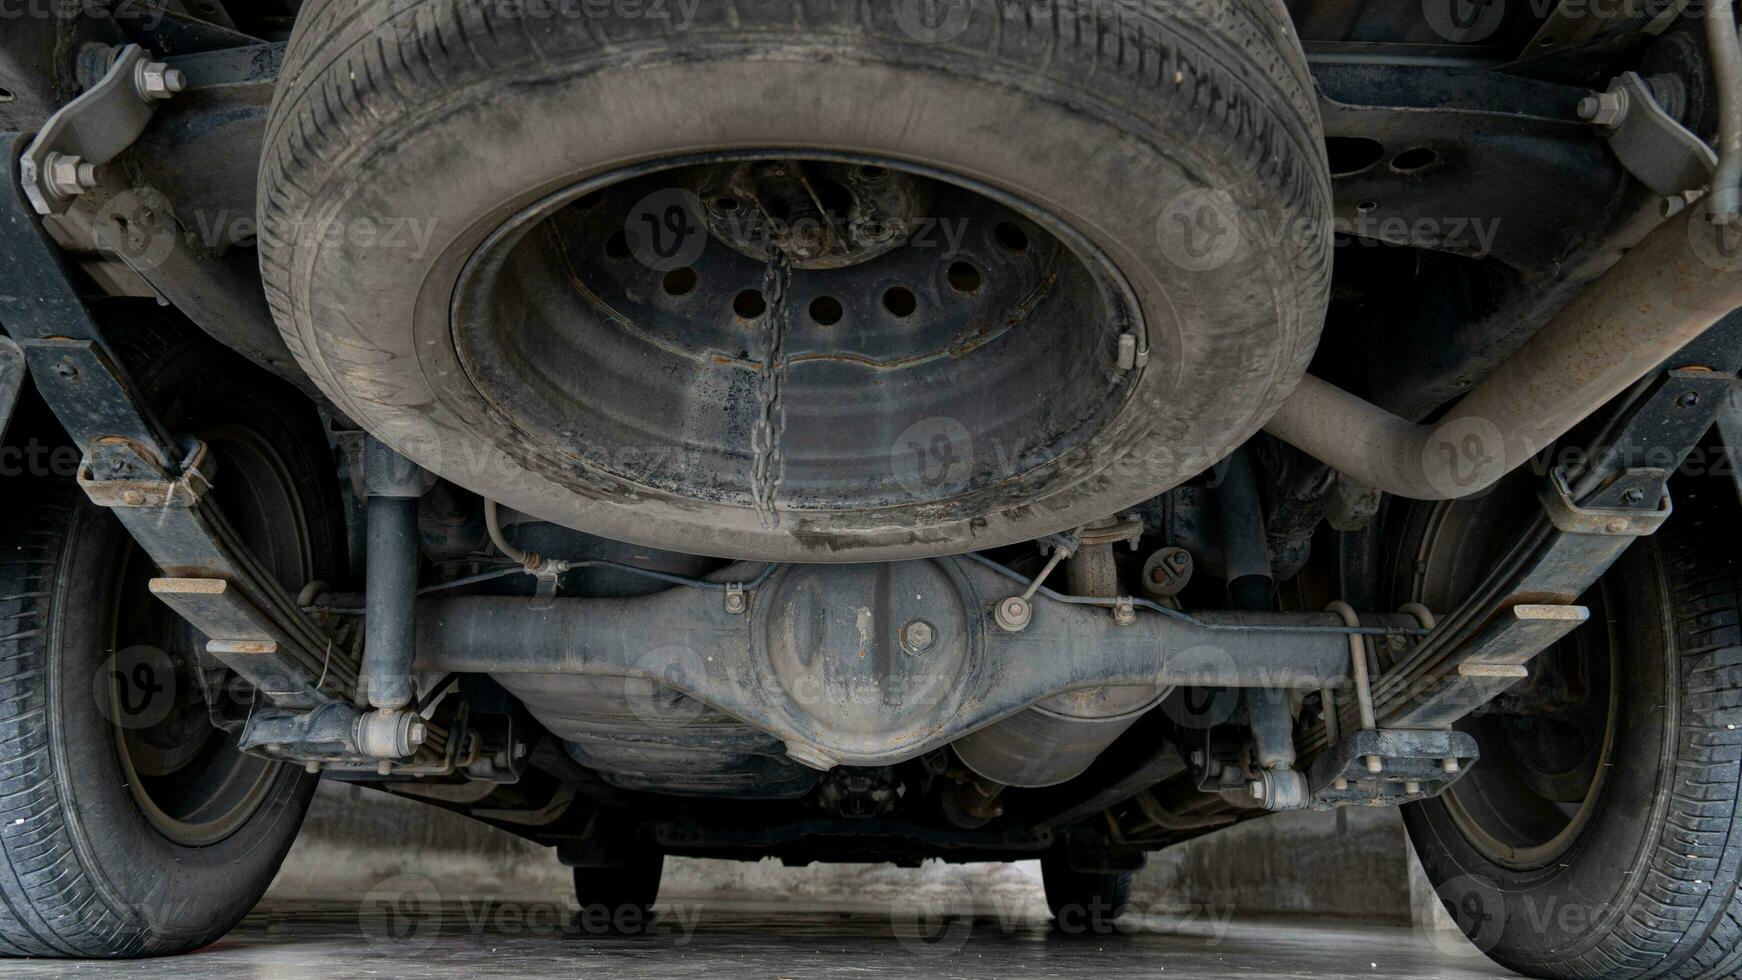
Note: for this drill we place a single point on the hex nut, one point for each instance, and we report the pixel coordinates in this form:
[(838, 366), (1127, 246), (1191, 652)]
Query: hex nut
[(1013, 614), (156, 81), (1605, 109), (69, 175), (918, 636)]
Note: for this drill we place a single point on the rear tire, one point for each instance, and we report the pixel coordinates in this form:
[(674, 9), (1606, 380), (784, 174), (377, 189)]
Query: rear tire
[(129, 825), (1083, 902), (620, 898), (1634, 871)]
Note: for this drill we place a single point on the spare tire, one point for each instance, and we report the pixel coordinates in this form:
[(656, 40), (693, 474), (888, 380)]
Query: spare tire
[(800, 280)]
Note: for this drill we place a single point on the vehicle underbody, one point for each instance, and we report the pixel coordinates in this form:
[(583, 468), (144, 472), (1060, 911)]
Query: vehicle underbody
[(968, 431)]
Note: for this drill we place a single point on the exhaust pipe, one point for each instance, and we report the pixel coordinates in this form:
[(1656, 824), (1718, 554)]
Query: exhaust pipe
[(1669, 289)]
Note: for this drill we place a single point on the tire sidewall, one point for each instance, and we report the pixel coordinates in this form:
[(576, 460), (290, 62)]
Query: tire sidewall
[(1532, 920), (176, 897), (371, 323)]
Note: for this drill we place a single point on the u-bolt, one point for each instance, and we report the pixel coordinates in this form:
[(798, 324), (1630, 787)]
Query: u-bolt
[(1358, 668)]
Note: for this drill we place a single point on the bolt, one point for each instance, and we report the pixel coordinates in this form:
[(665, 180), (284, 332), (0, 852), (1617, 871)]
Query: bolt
[(1013, 614), (1605, 109), (1411, 788), (417, 733), (1257, 789), (65, 371), (311, 767), (156, 81), (384, 768), (1687, 399), (133, 498), (1634, 496), (735, 601), (918, 636), (1340, 785), (1124, 613), (1450, 764), (69, 175), (1616, 526), (1375, 765)]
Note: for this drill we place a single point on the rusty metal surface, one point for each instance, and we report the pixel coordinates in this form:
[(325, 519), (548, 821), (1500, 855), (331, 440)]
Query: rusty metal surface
[(817, 661)]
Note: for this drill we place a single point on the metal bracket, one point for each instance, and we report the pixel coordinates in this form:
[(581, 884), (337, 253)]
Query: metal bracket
[(1648, 141), (1417, 765), (334, 736), (60, 164), (1633, 522)]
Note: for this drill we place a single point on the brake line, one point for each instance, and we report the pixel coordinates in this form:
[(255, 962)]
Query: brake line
[(1184, 617)]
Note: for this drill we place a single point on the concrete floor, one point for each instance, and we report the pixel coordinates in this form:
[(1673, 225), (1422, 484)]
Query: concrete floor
[(398, 937)]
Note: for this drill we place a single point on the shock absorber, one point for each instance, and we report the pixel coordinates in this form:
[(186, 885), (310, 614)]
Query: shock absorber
[(393, 484)]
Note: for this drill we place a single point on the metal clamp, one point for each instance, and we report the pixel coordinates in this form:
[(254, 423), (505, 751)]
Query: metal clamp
[(60, 164), (1648, 141), (1567, 516), (101, 478), (1124, 611), (1417, 765)]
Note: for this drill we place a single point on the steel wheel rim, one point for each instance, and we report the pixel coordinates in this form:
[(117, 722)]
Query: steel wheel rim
[(972, 454), (1504, 813)]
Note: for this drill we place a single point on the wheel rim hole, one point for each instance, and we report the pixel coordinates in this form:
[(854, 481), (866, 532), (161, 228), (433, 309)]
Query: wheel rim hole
[(1414, 159), (826, 310), (1367, 207), (6, 95), (963, 277), (900, 302), (679, 282), (749, 304), (873, 173), (1011, 237), (617, 246), (727, 205)]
